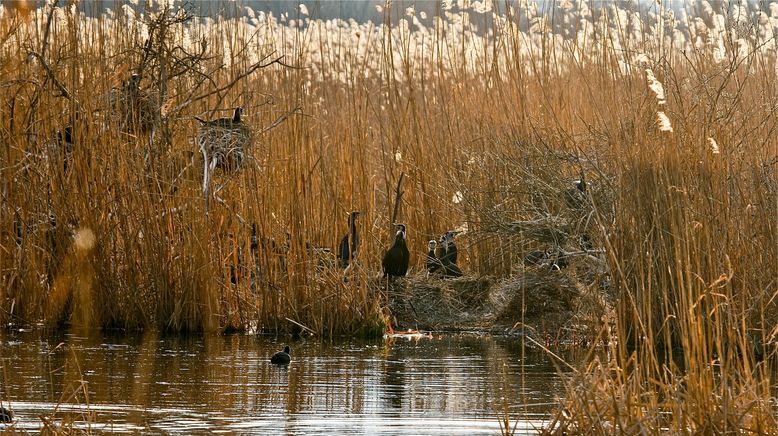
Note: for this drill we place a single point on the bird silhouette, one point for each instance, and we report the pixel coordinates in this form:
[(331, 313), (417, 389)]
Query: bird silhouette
[(348, 245), (448, 255), (433, 263), (396, 259), (281, 357)]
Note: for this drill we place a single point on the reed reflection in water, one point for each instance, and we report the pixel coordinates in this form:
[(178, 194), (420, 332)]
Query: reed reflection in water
[(450, 384)]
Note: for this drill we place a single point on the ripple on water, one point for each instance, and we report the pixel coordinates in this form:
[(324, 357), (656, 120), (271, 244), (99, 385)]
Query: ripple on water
[(445, 385)]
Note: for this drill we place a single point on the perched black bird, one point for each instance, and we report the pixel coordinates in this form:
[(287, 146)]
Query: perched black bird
[(447, 242), (6, 415), (348, 245), (535, 258), (64, 144), (396, 259), (281, 357), (433, 263), (576, 196), (448, 256), (226, 123)]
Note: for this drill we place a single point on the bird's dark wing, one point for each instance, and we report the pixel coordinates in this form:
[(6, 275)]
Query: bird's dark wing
[(391, 261), (453, 271), (452, 252), (343, 254), (406, 258)]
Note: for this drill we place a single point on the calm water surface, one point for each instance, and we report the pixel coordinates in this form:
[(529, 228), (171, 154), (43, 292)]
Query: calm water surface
[(450, 384)]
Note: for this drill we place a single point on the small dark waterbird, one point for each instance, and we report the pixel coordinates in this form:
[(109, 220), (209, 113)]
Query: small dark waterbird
[(396, 259), (6, 415), (281, 357), (448, 255), (348, 245), (433, 263)]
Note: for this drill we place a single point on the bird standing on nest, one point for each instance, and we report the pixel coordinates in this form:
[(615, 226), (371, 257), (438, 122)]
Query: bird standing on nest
[(223, 143), (348, 245), (433, 263), (396, 259), (448, 255)]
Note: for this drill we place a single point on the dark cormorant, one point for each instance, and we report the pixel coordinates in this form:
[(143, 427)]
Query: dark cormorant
[(576, 196), (448, 256), (6, 415), (535, 258), (348, 245), (225, 123), (396, 259), (450, 252), (433, 263), (281, 357)]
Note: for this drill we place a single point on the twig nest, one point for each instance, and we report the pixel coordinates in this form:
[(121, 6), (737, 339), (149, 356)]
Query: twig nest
[(224, 142), (134, 109)]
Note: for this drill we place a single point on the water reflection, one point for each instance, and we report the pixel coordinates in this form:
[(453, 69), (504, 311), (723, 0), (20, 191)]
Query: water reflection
[(447, 384)]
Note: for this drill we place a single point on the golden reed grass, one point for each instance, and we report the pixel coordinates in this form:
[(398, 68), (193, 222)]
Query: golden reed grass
[(670, 115)]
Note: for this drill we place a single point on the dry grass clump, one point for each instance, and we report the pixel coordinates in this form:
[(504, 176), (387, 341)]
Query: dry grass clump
[(433, 303), (608, 398)]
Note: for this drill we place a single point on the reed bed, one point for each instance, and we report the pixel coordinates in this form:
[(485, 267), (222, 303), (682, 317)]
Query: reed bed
[(488, 111)]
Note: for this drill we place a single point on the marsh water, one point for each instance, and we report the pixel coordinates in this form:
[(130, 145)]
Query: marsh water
[(446, 384)]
